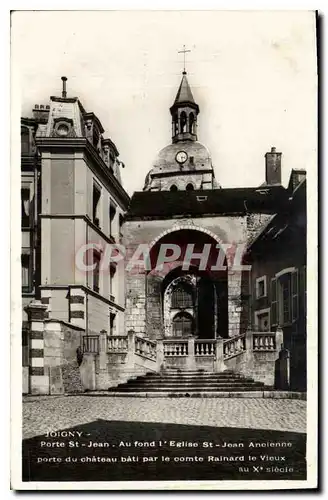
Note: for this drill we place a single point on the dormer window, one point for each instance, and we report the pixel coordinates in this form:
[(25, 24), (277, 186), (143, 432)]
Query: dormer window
[(93, 129), (95, 137), (109, 152)]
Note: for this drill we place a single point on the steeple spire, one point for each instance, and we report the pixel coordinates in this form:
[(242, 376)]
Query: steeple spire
[(184, 113), (184, 94)]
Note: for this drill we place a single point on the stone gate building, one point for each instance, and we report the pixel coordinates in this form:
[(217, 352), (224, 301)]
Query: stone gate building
[(187, 303)]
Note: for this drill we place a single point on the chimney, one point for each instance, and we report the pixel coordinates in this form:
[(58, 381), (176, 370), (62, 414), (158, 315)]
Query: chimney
[(273, 167), (64, 93), (41, 113)]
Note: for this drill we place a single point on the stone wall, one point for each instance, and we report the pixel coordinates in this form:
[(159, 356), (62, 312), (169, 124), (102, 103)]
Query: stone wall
[(143, 295), (61, 342), (154, 309)]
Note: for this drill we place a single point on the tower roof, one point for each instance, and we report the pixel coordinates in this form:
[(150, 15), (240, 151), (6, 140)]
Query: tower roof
[(184, 94)]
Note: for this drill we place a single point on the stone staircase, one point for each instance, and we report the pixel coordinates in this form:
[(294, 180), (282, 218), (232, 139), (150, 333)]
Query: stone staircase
[(189, 383)]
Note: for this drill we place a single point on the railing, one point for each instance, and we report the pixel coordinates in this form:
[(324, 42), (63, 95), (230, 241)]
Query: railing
[(264, 341), (91, 344), (117, 344), (175, 348), (234, 346), (145, 348), (205, 347)]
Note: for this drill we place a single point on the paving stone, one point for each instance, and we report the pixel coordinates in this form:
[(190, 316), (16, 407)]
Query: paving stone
[(49, 413)]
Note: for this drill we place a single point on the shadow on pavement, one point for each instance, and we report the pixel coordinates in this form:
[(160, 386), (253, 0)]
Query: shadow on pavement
[(70, 458)]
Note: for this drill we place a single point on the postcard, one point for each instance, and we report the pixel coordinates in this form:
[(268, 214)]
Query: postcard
[(164, 191)]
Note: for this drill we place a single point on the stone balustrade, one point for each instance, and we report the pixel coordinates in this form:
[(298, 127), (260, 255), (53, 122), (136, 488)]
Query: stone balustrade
[(145, 348), (234, 346), (175, 348), (117, 344), (205, 347), (264, 341)]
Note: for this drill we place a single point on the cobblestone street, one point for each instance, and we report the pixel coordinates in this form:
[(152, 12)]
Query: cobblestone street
[(41, 414)]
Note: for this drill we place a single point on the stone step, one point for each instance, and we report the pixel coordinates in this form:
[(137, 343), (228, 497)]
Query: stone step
[(191, 377), (185, 390), (160, 381), (173, 382), (190, 386)]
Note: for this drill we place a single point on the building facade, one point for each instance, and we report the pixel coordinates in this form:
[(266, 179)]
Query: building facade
[(182, 296), (72, 196), (278, 258)]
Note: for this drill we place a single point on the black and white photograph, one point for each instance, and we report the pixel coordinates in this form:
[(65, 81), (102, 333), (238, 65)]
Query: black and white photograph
[(164, 188)]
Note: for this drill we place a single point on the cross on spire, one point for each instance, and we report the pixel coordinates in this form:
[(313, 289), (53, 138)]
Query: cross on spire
[(184, 51)]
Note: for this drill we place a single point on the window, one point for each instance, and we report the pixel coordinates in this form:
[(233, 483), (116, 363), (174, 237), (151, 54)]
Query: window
[(189, 187), (95, 275), (112, 272), (25, 207), (112, 213), (95, 137), (284, 284), (182, 325), (112, 318), (96, 193), (284, 297), (261, 287), (173, 188), (175, 124), (183, 123), (262, 320), (26, 271), (182, 297)]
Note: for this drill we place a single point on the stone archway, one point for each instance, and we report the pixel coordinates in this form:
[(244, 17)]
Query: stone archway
[(184, 225), (210, 308)]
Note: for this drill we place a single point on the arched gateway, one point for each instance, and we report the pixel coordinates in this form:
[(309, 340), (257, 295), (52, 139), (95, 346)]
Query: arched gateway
[(186, 297)]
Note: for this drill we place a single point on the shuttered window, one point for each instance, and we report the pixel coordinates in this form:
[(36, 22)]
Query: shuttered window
[(294, 281), (284, 299), (274, 303)]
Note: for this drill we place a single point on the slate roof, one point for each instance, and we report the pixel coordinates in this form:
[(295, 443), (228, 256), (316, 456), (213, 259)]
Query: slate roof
[(166, 204), (287, 223), (184, 94)]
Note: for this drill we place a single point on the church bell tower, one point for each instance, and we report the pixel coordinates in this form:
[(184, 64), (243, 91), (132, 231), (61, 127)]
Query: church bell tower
[(184, 113)]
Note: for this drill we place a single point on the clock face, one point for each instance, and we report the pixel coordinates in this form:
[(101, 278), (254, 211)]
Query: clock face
[(181, 157)]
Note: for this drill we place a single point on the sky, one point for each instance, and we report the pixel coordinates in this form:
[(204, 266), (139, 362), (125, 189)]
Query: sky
[(253, 74)]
